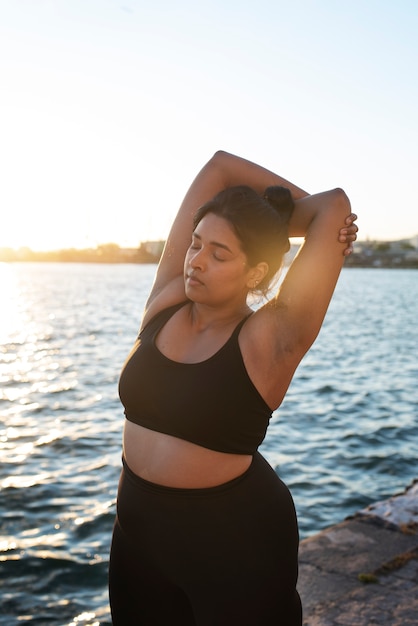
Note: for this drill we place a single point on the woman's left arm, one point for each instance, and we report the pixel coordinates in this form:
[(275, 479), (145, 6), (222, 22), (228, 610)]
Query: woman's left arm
[(327, 223)]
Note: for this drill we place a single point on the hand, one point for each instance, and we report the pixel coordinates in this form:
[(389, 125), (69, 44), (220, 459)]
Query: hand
[(348, 233)]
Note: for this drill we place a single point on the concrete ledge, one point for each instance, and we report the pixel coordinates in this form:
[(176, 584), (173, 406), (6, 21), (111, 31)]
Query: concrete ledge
[(364, 571)]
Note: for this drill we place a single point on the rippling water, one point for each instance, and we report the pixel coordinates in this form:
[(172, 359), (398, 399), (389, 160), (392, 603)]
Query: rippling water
[(345, 436)]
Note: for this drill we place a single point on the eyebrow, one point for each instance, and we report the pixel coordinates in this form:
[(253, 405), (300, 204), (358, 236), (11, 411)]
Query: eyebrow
[(214, 243)]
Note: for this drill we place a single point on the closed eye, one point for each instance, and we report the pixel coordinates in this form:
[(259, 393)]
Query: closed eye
[(219, 249)]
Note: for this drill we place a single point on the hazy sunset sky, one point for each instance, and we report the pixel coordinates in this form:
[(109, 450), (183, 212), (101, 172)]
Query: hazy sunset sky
[(109, 109)]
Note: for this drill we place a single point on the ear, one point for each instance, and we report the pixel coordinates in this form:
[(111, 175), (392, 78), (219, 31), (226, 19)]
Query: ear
[(256, 274)]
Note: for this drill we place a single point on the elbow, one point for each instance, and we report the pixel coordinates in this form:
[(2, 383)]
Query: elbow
[(341, 200), (218, 160), (221, 164), (340, 194), (220, 157)]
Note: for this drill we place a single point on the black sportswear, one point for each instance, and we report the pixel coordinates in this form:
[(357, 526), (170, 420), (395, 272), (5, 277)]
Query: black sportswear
[(218, 556), (212, 403)]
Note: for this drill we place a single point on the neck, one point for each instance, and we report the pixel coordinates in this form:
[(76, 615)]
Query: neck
[(204, 317)]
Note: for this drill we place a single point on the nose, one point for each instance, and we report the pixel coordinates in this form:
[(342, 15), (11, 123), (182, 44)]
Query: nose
[(197, 259)]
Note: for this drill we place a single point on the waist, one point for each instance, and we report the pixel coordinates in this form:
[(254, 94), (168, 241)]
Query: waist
[(172, 462)]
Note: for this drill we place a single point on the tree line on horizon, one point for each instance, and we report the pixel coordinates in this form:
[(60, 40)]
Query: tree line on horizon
[(146, 252), (366, 254)]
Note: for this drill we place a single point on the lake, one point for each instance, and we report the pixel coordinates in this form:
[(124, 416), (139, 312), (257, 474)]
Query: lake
[(345, 436)]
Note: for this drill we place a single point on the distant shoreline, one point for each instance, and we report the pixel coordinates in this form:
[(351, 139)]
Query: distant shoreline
[(398, 254), (149, 252), (348, 263)]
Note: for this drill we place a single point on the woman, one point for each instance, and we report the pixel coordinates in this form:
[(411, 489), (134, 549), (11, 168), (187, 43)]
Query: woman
[(206, 532)]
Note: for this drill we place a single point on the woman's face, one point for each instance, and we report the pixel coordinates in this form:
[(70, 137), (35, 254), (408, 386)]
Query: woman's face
[(215, 268)]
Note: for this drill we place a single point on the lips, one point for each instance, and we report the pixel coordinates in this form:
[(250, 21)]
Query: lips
[(193, 281)]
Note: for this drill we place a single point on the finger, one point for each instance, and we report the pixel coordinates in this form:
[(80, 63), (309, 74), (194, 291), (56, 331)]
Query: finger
[(347, 238), (349, 230), (352, 232), (350, 219)]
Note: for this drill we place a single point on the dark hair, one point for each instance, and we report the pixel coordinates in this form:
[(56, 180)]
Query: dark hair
[(260, 223)]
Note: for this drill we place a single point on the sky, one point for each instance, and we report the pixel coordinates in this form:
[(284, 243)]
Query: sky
[(109, 108)]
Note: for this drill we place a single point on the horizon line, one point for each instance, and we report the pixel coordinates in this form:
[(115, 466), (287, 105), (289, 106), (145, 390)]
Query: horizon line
[(293, 240)]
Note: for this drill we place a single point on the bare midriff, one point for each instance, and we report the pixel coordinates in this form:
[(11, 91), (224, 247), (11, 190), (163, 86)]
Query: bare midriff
[(172, 462)]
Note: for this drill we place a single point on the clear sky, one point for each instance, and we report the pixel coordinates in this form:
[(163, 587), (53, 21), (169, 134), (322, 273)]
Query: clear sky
[(108, 108)]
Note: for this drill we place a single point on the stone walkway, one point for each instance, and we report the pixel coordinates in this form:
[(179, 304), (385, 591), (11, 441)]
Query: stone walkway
[(364, 571)]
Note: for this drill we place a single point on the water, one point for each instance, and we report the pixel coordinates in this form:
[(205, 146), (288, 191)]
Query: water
[(345, 436)]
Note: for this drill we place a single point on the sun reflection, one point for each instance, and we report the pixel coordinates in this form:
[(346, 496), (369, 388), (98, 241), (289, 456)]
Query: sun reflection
[(83, 618), (19, 482), (8, 544), (35, 542), (9, 311)]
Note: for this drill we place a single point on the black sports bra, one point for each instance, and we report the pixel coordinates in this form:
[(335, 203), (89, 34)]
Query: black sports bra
[(212, 403)]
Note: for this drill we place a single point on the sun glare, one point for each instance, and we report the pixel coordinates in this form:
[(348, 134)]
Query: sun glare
[(9, 314)]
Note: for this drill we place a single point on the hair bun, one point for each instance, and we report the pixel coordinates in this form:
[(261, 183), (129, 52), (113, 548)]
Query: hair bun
[(281, 200)]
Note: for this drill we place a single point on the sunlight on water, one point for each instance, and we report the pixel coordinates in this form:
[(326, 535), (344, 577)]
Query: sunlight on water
[(83, 618), (19, 482), (10, 321)]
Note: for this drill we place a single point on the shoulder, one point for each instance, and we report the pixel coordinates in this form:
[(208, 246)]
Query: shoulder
[(171, 295)]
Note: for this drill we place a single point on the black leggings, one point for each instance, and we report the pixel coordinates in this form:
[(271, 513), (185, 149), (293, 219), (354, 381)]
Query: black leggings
[(217, 556)]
